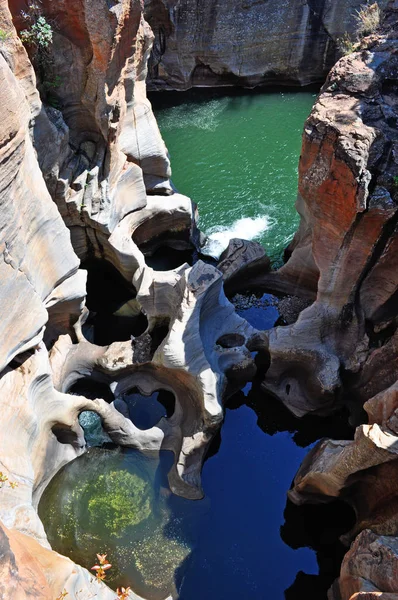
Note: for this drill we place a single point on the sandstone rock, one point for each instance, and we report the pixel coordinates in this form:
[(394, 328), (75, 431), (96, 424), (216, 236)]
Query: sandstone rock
[(370, 566), (240, 262), (244, 43), (99, 156), (348, 206)]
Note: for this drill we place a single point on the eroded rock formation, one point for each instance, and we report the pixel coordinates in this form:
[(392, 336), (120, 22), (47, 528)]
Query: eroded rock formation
[(245, 42), (88, 157), (85, 175), (343, 348)]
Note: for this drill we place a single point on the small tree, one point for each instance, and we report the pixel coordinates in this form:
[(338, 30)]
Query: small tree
[(39, 34), (38, 37)]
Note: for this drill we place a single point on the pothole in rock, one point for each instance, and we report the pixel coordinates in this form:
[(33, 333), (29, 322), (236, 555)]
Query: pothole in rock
[(94, 433), (167, 259), (90, 421), (115, 314), (260, 311), (92, 389), (146, 411), (118, 503), (268, 310), (163, 249), (231, 340), (146, 345)]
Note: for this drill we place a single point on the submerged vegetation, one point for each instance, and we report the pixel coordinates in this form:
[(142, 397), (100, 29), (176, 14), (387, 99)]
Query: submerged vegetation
[(117, 500), (112, 502)]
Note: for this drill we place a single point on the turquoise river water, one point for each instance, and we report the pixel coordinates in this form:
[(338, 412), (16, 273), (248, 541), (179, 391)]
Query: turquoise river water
[(236, 156)]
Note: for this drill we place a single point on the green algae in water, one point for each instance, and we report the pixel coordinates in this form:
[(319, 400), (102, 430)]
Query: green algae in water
[(236, 156), (117, 502)]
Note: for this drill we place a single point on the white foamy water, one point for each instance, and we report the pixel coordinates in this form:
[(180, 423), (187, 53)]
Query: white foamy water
[(247, 228), (202, 116)]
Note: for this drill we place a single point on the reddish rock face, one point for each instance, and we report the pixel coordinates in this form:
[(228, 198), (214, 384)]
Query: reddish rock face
[(346, 244), (344, 347)]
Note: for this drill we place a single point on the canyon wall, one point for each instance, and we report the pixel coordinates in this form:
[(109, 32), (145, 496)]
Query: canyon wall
[(343, 348), (245, 42), (85, 177)]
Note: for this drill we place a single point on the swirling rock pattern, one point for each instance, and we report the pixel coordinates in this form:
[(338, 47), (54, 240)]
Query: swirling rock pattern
[(99, 159)]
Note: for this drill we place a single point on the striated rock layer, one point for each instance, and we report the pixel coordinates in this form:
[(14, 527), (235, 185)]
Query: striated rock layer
[(245, 42), (343, 348), (85, 175)]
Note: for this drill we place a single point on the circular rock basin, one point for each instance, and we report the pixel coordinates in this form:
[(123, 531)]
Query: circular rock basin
[(117, 503)]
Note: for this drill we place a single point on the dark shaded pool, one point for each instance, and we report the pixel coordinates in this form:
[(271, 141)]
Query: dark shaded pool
[(228, 545), (146, 411), (115, 315)]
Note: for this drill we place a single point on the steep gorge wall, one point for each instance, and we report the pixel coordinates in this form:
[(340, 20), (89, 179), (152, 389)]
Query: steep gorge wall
[(97, 155), (245, 42), (343, 348), (85, 174)]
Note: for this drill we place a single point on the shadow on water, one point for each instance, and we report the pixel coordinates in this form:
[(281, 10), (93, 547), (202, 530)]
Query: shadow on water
[(253, 543), (243, 541), (234, 95)]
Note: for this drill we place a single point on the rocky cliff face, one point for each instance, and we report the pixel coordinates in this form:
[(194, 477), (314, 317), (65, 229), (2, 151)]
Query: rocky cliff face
[(343, 348), (85, 175), (245, 42), (347, 237)]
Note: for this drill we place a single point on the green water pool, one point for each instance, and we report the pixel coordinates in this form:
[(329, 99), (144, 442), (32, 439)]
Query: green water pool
[(236, 156)]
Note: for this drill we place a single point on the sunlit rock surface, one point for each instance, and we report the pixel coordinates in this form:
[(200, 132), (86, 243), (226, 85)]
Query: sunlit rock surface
[(245, 42), (343, 347), (348, 202), (92, 149)]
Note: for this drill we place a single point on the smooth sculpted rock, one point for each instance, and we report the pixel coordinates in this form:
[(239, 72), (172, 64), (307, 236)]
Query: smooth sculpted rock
[(240, 262), (34, 273), (99, 158), (245, 42)]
